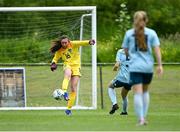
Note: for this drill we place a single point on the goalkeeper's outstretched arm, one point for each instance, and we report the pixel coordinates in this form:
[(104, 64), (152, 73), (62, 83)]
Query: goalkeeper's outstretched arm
[(83, 42)]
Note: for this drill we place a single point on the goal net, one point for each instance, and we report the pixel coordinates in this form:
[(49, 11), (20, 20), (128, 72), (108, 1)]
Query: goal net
[(26, 34)]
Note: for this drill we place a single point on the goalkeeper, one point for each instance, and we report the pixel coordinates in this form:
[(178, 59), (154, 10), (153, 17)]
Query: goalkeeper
[(68, 51), (121, 80)]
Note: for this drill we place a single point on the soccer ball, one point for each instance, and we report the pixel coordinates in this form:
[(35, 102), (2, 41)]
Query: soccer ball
[(58, 94)]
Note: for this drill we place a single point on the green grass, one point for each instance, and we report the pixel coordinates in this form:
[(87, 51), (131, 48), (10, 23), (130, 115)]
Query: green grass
[(164, 111), (84, 121)]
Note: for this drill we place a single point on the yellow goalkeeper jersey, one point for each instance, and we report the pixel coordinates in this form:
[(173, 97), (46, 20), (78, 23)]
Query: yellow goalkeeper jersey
[(70, 56)]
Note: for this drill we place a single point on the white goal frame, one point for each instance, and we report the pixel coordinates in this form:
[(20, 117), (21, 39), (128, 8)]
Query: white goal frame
[(92, 9)]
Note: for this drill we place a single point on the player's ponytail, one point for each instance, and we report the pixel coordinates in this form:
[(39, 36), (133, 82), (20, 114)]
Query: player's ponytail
[(140, 20)]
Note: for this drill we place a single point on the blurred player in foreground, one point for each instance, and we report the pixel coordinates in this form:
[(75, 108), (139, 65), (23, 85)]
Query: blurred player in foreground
[(138, 43)]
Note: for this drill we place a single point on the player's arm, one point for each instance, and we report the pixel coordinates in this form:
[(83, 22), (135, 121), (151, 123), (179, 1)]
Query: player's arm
[(156, 44), (125, 44), (54, 61), (118, 59), (56, 57), (116, 66), (83, 43), (159, 69)]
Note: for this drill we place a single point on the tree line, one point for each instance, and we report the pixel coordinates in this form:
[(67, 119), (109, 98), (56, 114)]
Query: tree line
[(164, 15)]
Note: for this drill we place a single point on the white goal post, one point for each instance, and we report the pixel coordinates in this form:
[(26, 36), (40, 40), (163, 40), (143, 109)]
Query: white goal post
[(92, 14)]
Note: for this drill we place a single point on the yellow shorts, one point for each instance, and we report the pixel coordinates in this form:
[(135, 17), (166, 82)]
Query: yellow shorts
[(75, 70)]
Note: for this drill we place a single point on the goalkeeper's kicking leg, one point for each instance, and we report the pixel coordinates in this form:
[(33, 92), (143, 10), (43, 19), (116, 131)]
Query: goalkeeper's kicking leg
[(67, 77), (72, 96)]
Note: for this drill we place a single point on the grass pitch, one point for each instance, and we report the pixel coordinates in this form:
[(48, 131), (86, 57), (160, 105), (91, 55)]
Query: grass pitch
[(164, 112)]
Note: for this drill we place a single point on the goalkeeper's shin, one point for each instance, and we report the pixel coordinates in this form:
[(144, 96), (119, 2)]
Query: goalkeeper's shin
[(65, 84)]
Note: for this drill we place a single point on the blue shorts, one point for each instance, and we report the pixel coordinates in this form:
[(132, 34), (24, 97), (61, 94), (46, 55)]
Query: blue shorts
[(117, 83), (140, 78)]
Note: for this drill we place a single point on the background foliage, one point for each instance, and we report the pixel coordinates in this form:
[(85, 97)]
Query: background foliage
[(164, 17)]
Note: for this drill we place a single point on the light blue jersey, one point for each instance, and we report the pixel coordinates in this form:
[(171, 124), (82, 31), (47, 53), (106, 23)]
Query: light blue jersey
[(141, 61), (123, 73)]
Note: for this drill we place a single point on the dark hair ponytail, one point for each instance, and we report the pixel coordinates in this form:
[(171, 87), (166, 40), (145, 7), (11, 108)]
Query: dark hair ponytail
[(56, 44)]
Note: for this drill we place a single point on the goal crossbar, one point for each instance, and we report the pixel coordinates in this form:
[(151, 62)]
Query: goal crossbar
[(68, 8)]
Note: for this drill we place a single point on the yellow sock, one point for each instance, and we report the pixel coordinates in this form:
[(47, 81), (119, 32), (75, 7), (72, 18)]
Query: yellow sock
[(65, 84), (71, 100)]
